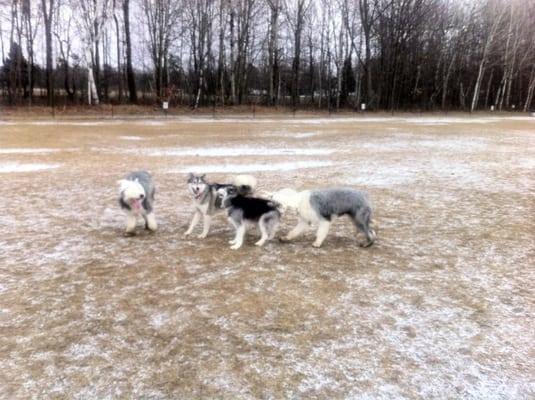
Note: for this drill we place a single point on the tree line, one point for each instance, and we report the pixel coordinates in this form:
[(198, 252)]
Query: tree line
[(324, 54)]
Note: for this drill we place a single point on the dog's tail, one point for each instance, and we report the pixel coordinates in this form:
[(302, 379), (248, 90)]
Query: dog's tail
[(246, 184)]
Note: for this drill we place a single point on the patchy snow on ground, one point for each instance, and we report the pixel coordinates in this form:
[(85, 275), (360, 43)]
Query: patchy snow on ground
[(29, 151), (11, 167), (441, 306), (234, 151), (134, 138), (242, 168)]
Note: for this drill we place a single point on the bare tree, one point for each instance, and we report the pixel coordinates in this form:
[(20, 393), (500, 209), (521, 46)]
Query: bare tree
[(160, 16), (63, 32), (130, 78), (496, 13), (48, 12), (296, 19), (391, 54), (275, 8), (200, 17), (94, 15)]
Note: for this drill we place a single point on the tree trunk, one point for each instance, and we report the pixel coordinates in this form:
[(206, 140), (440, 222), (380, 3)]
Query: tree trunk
[(118, 43), (232, 60), (47, 17), (531, 89), (129, 69), (272, 49)]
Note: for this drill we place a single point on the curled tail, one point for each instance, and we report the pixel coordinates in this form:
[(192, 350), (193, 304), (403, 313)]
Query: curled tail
[(246, 184)]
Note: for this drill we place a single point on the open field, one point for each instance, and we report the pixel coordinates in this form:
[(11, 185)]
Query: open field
[(442, 306)]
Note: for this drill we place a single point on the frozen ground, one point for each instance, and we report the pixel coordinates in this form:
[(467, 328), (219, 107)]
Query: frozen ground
[(441, 307)]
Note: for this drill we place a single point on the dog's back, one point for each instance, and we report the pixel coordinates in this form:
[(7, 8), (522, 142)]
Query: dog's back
[(252, 208), (338, 201)]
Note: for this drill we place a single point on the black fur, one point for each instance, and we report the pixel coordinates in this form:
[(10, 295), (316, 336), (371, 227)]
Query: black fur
[(124, 205), (252, 207)]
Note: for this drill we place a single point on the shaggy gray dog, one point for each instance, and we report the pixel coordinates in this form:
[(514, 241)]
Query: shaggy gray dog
[(321, 206), (136, 197)]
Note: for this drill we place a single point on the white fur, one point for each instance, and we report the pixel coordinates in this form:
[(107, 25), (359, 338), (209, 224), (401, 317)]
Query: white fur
[(287, 198), (200, 210), (300, 202), (151, 222), (240, 235), (245, 180), (130, 222), (321, 234), (195, 220), (130, 190)]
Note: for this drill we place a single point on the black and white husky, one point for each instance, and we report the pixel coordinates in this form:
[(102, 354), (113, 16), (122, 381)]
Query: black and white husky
[(136, 197), (245, 211), (206, 200), (321, 206)]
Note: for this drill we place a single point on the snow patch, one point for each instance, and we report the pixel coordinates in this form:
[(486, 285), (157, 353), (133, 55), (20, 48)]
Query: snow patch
[(134, 138), (235, 151), (235, 168), (28, 151), (6, 168)]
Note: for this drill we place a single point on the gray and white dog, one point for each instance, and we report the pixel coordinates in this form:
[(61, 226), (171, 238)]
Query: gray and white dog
[(136, 197), (321, 206), (206, 200), (245, 211)]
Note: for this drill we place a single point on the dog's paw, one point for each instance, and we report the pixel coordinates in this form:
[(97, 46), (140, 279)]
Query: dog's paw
[(235, 246), (186, 234), (202, 236), (259, 243), (316, 245), (232, 242), (284, 239)]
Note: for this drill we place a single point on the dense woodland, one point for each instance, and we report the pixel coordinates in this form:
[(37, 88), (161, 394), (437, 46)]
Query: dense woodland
[(324, 54)]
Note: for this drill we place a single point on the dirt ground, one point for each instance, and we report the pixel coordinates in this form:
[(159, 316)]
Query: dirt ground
[(442, 306)]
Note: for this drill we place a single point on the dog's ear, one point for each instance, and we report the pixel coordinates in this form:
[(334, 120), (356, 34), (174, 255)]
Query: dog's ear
[(203, 177), (190, 177)]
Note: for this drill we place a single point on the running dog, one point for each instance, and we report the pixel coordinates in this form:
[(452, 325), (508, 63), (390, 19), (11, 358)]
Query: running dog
[(245, 211), (320, 206), (136, 197), (206, 200)]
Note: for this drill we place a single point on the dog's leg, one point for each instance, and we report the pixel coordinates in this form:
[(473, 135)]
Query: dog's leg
[(130, 223), (262, 225), (368, 232), (362, 222), (235, 225), (299, 229), (193, 223), (321, 234), (240, 234), (273, 226), (150, 222), (207, 219)]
